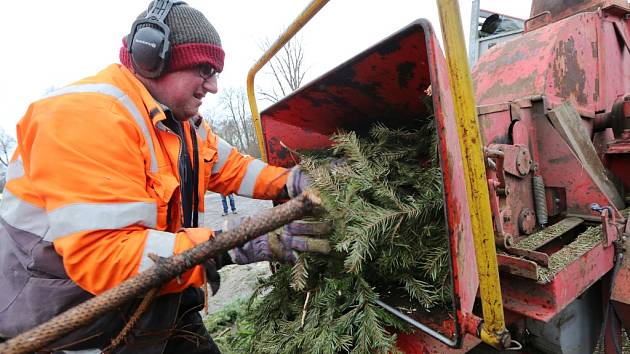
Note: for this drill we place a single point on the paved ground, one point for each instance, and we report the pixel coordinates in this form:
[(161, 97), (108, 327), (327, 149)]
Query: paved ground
[(237, 281), (244, 207)]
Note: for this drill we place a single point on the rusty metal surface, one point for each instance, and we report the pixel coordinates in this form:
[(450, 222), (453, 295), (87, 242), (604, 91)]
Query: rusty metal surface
[(621, 283), (549, 62), (559, 65), (617, 150), (516, 161), (559, 9), (420, 343), (542, 302), (616, 160), (538, 257), (582, 59), (567, 181), (388, 80), (615, 69), (465, 275), (518, 266), (539, 20), (560, 168), (568, 123)]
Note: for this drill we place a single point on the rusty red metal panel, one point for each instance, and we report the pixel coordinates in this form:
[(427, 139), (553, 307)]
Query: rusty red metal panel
[(386, 80), (559, 9), (465, 274), (542, 302), (617, 149), (421, 343), (560, 168), (620, 294), (558, 62), (583, 59), (518, 266), (614, 71)]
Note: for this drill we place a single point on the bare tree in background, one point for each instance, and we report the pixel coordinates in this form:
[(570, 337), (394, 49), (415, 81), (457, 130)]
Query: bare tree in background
[(210, 116), (287, 70), (232, 120), (236, 108), (7, 143)]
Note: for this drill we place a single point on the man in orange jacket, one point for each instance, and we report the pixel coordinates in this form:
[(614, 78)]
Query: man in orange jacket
[(113, 168)]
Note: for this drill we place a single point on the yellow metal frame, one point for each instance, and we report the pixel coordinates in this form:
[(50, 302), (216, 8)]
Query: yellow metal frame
[(493, 330), (295, 27)]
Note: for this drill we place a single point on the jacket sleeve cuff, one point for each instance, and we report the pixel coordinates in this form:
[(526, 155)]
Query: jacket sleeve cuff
[(186, 239), (271, 182), (190, 237)]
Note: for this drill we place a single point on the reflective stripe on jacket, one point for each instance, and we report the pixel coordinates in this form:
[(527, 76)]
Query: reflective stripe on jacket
[(93, 189)]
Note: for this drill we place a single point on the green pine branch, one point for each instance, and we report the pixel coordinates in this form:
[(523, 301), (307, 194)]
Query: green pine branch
[(384, 196)]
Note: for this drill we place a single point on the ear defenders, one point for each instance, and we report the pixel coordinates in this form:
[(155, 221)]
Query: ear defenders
[(148, 42)]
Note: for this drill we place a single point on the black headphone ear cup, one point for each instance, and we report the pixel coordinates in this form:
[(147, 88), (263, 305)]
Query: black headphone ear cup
[(149, 46), (147, 52)]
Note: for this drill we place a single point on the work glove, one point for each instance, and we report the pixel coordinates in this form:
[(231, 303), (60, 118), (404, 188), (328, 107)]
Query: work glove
[(212, 275), (297, 182), (282, 244), (212, 267)]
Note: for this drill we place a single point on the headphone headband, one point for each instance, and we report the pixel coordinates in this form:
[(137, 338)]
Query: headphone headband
[(160, 10)]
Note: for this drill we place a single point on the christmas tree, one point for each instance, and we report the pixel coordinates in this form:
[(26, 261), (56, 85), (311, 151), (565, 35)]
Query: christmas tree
[(383, 194)]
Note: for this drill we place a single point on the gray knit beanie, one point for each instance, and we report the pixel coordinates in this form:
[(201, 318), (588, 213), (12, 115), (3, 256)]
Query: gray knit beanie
[(194, 40)]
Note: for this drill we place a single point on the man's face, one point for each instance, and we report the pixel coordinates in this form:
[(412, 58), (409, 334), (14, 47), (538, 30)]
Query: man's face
[(182, 91)]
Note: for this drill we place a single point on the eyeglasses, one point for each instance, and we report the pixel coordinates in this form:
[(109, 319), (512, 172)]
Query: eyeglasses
[(207, 72)]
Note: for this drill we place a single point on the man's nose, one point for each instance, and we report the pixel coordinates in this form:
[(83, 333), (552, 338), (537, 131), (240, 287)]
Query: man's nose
[(211, 85)]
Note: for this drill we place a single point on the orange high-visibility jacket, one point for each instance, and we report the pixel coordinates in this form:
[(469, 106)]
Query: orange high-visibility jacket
[(94, 177)]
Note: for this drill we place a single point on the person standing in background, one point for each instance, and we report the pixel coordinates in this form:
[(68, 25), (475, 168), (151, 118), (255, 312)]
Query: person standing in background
[(225, 205)]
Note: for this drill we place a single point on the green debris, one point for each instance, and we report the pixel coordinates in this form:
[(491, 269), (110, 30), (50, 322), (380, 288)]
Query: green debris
[(538, 239), (571, 252), (230, 329)]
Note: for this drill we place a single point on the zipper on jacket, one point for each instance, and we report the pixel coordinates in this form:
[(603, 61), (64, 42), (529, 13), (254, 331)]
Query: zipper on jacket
[(169, 208), (185, 170)]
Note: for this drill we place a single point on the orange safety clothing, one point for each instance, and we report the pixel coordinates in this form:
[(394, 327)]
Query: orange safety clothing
[(93, 189)]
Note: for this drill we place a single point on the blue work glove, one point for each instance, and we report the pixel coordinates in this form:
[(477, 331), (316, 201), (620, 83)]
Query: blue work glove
[(282, 244)]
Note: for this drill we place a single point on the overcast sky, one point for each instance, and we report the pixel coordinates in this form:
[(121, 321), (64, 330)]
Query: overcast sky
[(53, 43)]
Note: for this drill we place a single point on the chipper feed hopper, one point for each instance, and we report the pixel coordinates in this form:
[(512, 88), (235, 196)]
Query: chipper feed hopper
[(554, 122)]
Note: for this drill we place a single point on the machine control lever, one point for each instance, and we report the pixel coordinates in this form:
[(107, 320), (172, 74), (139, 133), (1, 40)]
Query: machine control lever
[(610, 232)]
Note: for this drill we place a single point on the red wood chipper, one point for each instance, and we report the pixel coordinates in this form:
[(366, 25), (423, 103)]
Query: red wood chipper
[(536, 173)]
